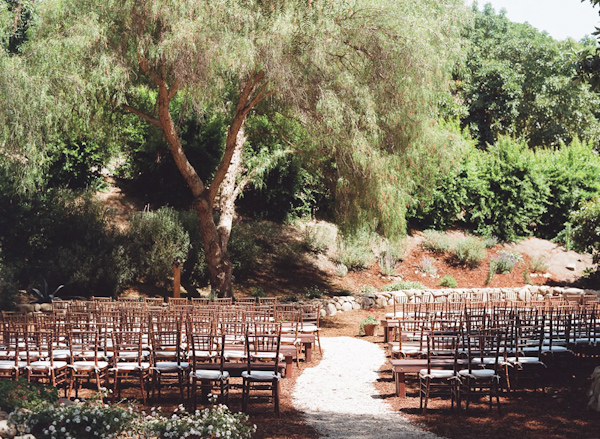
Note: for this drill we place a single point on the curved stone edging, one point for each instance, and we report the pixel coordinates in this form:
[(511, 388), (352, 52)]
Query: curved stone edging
[(337, 304)]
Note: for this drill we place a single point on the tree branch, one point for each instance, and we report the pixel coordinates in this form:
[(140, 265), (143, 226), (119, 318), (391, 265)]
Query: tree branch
[(139, 113)]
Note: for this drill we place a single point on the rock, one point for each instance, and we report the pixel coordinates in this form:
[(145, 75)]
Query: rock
[(347, 306), (381, 302), (356, 305), (46, 307), (25, 307), (37, 307), (573, 291), (331, 309)]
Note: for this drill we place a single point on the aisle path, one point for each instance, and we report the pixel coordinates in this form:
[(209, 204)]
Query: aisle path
[(339, 398)]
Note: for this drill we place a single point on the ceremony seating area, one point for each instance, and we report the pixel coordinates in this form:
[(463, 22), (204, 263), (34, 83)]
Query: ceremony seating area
[(194, 345), (464, 349)]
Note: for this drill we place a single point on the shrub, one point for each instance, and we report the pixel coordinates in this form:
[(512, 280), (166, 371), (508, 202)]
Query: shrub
[(427, 265), (65, 237), (258, 292), (78, 421), (21, 394), (469, 251), (341, 270), (490, 241), (314, 292), (245, 249), (319, 238), (367, 290), (586, 228), (437, 242), (448, 281), (387, 265), (403, 285), (505, 260), (538, 264), (355, 251), (155, 240), (212, 422)]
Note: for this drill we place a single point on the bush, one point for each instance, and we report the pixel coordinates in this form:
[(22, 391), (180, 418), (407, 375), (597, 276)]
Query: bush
[(538, 264), (469, 251), (65, 237), (403, 285), (355, 251), (586, 228), (155, 240), (448, 281), (314, 292), (427, 265), (245, 249), (505, 260), (437, 242), (212, 422), (21, 394), (319, 238)]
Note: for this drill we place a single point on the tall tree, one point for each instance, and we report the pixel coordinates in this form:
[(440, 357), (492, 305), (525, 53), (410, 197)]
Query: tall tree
[(362, 76)]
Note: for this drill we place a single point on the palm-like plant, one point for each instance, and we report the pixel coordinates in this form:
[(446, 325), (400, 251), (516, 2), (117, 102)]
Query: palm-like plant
[(45, 295)]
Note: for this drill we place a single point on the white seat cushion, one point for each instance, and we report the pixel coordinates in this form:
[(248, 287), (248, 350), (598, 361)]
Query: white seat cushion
[(436, 373), (170, 366), (132, 366), (45, 365), (261, 375), (208, 374), (477, 373), (88, 365), (524, 360)]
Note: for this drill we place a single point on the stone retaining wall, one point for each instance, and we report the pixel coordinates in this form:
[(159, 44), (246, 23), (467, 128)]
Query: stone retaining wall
[(337, 304)]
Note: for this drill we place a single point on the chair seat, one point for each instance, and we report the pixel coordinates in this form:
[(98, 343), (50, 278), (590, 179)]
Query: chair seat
[(407, 350), (132, 366), (208, 374), (47, 365), (436, 373), (61, 354), (170, 366), (524, 360), (484, 361), (10, 364), (261, 375), (477, 373), (86, 365), (235, 354)]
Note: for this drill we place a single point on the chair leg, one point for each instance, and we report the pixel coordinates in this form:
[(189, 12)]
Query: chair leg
[(276, 388)]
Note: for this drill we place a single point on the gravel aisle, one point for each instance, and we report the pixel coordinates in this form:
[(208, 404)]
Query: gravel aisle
[(339, 399)]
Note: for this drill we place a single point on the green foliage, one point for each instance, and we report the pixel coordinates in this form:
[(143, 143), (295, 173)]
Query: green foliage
[(355, 251), (78, 420), (369, 320), (245, 248), (341, 270), (217, 421), (437, 242), (469, 251), (258, 292), (403, 285), (572, 174), (45, 296), (319, 237), (314, 292), (504, 261), (448, 281), (538, 264), (517, 81), (155, 240), (21, 394), (65, 238), (586, 228), (427, 265), (490, 241)]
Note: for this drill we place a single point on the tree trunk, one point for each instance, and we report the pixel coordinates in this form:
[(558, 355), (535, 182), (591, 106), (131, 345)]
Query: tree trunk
[(215, 239)]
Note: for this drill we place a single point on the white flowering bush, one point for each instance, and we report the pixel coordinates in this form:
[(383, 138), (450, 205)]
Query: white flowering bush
[(213, 422), (90, 419), (93, 419)]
